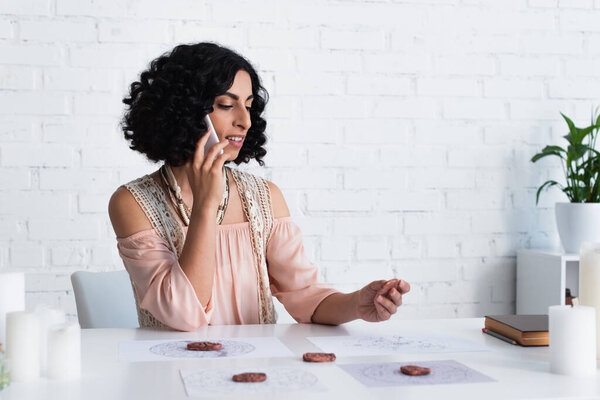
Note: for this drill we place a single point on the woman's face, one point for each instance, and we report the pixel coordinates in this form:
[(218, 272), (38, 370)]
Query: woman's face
[(231, 115)]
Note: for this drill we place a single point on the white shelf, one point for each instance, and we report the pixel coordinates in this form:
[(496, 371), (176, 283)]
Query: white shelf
[(542, 278)]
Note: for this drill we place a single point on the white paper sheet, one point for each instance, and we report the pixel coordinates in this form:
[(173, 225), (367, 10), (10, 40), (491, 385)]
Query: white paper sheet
[(388, 374), (218, 382), (168, 350), (393, 344)]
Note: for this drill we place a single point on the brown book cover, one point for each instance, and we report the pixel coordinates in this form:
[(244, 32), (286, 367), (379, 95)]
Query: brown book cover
[(527, 330)]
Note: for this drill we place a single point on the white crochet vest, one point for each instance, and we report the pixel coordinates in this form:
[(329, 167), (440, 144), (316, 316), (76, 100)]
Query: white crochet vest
[(256, 202)]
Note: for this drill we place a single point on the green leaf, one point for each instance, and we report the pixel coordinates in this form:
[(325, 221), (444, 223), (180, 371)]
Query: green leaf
[(554, 148), (576, 151), (576, 135), (569, 122), (586, 131), (549, 151), (595, 152), (545, 185), (595, 195), (582, 193), (591, 164), (571, 193), (573, 137)]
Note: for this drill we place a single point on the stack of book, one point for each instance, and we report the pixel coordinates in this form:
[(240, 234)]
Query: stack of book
[(526, 330)]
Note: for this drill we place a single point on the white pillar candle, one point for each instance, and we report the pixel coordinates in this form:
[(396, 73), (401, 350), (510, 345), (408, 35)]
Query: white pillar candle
[(23, 346), (47, 317), (589, 282), (64, 351), (572, 340), (12, 297)]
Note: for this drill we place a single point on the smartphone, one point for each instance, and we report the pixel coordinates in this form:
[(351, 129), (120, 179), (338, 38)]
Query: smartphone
[(212, 138)]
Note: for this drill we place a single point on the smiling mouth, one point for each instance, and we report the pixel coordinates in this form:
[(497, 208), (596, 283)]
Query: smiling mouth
[(234, 138)]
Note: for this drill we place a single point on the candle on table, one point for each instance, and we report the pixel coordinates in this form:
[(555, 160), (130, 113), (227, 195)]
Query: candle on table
[(12, 297), (23, 345), (64, 351), (589, 282), (572, 340), (47, 317)]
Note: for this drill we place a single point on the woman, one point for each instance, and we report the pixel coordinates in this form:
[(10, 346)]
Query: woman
[(204, 243)]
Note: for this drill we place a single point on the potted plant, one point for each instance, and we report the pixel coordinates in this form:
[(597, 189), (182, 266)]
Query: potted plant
[(579, 219)]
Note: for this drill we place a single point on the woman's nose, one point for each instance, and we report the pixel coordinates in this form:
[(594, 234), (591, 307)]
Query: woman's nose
[(242, 118)]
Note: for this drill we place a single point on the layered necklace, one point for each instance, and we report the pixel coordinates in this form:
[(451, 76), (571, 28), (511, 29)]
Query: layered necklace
[(175, 195)]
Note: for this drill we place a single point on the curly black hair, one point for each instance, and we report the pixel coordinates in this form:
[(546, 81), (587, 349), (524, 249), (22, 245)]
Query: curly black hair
[(165, 117)]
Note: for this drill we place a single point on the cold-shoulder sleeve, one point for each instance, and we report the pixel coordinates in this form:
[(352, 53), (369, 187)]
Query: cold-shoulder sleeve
[(160, 284), (294, 279)]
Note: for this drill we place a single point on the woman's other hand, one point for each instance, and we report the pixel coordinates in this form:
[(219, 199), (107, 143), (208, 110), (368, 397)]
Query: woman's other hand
[(379, 300)]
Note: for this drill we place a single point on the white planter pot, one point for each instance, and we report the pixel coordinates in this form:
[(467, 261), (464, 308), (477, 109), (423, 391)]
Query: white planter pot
[(577, 223)]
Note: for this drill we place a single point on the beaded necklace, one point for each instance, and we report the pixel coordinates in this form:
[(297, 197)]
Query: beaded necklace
[(175, 195)]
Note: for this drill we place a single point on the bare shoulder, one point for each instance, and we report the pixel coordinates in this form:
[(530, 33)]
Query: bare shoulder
[(280, 208), (126, 215)]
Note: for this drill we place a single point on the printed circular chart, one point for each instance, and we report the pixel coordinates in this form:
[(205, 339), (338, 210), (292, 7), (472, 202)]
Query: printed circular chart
[(440, 373), (179, 349), (280, 380)]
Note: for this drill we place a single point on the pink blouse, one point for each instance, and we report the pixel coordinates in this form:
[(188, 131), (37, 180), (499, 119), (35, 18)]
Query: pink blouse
[(163, 288)]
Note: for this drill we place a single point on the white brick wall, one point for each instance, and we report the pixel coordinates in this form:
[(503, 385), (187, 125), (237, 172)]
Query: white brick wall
[(400, 132)]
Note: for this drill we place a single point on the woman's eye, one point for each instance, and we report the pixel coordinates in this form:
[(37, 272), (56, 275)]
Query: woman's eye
[(229, 106)]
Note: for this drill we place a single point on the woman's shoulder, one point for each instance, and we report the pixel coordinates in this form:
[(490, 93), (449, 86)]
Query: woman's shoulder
[(126, 215), (280, 208), (125, 194)]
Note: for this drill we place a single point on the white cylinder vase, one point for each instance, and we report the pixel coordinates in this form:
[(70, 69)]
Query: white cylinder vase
[(577, 223)]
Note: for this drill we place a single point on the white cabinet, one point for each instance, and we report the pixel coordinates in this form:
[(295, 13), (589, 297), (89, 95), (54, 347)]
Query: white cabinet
[(542, 277)]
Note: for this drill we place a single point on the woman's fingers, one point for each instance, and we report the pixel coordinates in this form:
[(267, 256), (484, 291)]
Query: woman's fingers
[(212, 155), (395, 296), (199, 153), (377, 285), (217, 165), (403, 286), (387, 304), (382, 312), (387, 286), (387, 296)]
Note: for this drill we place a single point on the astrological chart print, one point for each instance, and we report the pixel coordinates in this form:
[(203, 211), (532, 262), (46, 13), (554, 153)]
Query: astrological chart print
[(168, 350), (388, 374), (218, 381), (392, 344)]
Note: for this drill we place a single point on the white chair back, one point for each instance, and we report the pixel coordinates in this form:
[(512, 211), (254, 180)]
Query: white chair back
[(104, 299)]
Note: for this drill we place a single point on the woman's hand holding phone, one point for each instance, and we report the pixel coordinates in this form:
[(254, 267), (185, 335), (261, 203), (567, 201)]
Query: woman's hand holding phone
[(212, 135), (205, 175)]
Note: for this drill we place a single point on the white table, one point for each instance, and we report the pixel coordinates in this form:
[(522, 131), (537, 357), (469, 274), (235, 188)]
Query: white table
[(519, 372)]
